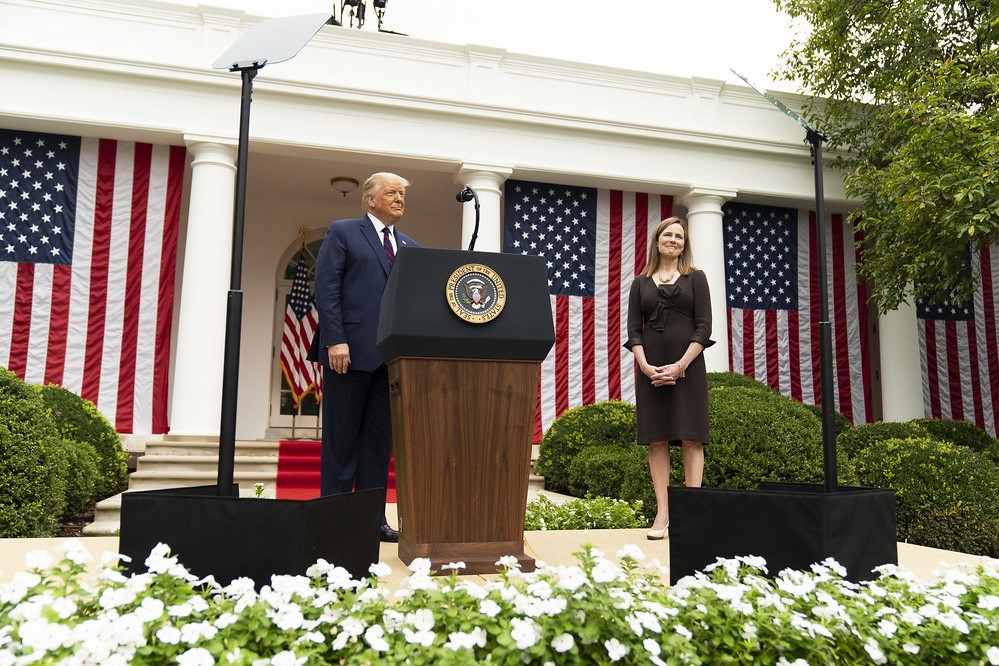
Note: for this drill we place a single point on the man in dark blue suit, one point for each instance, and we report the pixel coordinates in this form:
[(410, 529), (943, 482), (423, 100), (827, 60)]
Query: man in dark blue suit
[(351, 271)]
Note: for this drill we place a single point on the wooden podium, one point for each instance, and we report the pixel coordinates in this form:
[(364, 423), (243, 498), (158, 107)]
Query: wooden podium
[(463, 334)]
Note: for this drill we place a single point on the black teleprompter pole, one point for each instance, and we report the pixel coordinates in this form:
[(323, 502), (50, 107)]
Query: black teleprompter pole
[(825, 326), (270, 41), (234, 301)]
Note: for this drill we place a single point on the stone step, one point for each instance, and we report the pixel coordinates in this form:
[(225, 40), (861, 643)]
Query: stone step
[(201, 463), (208, 447), (176, 478), (107, 514), (183, 461)]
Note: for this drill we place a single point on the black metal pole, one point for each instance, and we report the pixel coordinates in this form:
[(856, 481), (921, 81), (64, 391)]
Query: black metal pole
[(825, 326), (234, 302)]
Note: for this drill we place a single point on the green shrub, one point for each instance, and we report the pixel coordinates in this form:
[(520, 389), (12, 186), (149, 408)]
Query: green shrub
[(600, 424), (32, 488), (80, 421), (842, 423), (79, 466), (599, 471), (860, 437), (757, 436), (589, 513), (735, 379), (945, 496), (959, 432)]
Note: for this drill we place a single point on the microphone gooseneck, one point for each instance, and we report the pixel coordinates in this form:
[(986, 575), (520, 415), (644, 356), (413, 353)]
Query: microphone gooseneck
[(466, 195)]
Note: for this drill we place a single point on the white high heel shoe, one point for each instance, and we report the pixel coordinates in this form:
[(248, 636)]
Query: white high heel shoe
[(656, 535)]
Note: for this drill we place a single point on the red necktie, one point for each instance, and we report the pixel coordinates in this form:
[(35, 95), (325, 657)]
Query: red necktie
[(387, 244)]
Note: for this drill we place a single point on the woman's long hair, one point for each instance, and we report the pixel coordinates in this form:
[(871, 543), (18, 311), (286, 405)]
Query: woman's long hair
[(684, 263)]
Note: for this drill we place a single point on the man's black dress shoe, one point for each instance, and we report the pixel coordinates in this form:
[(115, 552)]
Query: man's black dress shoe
[(389, 535)]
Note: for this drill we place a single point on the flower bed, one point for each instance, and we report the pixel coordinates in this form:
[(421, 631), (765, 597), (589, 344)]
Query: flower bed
[(596, 612)]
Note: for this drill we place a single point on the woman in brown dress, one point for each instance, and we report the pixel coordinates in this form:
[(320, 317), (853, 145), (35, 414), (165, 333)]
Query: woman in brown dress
[(669, 325)]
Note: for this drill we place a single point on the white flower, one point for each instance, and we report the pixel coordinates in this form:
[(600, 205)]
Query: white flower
[(196, 657), (911, 648), (489, 608), (380, 570), (169, 635), (149, 609), (351, 626), (372, 595), (953, 621), (988, 602), (41, 635), (525, 632), (420, 566), (541, 589), (226, 620), (606, 571), (375, 636), (887, 627), (993, 655), (288, 658), (38, 560), (424, 638), (74, 551), (509, 562), (615, 649), (455, 566), (631, 551), (652, 647), (683, 631), (116, 597), (571, 578), (460, 639), (422, 619), (180, 610), (287, 618), (192, 632), (563, 643), (874, 651)]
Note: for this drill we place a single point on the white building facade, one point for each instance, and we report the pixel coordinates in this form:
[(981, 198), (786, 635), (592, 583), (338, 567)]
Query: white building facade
[(352, 103)]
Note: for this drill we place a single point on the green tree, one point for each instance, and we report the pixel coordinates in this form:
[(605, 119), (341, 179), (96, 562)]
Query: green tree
[(906, 91)]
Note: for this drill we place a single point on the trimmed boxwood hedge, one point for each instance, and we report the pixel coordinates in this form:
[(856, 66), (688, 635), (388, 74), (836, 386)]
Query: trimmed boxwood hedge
[(79, 420), (610, 423), (959, 432), (32, 485), (945, 495), (860, 437), (758, 437)]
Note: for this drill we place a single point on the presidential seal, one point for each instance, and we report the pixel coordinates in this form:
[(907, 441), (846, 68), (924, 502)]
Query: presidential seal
[(476, 293)]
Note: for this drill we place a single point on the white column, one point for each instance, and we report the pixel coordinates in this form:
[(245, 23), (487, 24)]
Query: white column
[(197, 378), (704, 226), (901, 371), (487, 181)]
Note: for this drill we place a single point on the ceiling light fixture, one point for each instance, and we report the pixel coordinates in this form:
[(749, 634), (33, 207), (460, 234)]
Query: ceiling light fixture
[(344, 185)]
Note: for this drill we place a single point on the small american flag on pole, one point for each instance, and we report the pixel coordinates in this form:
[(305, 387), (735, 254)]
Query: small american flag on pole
[(594, 242), (88, 246), (300, 320)]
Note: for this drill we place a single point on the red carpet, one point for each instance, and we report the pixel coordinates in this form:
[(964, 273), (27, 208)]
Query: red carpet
[(298, 471)]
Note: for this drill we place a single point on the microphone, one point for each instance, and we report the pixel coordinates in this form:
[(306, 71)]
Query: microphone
[(466, 195)]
